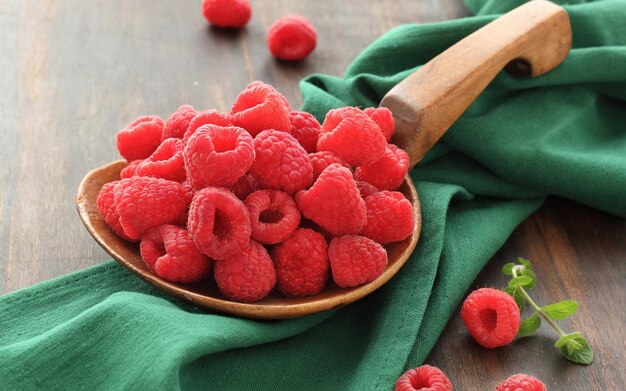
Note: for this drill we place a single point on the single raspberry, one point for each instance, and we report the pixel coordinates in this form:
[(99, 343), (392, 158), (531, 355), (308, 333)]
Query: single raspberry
[(334, 202), (366, 189), (323, 159), (140, 138), (145, 202), (384, 119), (177, 124), (189, 190), (302, 263), (350, 134), (218, 222), (106, 207), (171, 254), (388, 172), (305, 128), (227, 13), (274, 216), (218, 156), (389, 217), (281, 163), (244, 186), (424, 378), (129, 170), (491, 316), (291, 38), (355, 260), (206, 117), (246, 276), (166, 162), (521, 382), (260, 107)]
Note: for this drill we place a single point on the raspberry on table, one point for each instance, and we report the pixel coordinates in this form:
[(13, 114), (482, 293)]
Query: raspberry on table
[(305, 128), (140, 138), (260, 107), (218, 156), (384, 119), (227, 13), (389, 217), (176, 125), (246, 276), (350, 134), (129, 170), (166, 162), (426, 378), (366, 189), (274, 216), (388, 172), (281, 163), (106, 206), (171, 254), (291, 38), (321, 160), (491, 317), (219, 222), (301, 263), (355, 260), (334, 202), (521, 382), (206, 117), (244, 186)]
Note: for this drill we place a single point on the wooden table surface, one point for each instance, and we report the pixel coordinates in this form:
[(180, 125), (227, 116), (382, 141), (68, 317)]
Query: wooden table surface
[(73, 72)]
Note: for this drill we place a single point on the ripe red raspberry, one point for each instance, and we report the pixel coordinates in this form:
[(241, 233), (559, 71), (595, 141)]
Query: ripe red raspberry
[(281, 163), (246, 276), (106, 207), (323, 159), (171, 254), (334, 202), (350, 134), (227, 13), (491, 316), (291, 38), (425, 378), (384, 119), (305, 128), (274, 216), (366, 189), (388, 172), (129, 170), (218, 222), (355, 260), (189, 190), (244, 186), (260, 107), (218, 156), (166, 162), (389, 217), (521, 382), (176, 125), (302, 263), (206, 117), (140, 138)]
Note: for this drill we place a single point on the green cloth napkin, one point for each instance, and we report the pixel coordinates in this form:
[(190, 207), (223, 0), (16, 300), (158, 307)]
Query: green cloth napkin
[(523, 139)]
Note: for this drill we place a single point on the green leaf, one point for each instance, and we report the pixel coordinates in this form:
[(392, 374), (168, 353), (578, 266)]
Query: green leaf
[(508, 268), (521, 280), (560, 310), (575, 348), (525, 262), (517, 296), (529, 273), (529, 326)]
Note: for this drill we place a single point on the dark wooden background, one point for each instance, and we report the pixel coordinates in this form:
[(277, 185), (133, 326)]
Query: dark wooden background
[(73, 72)]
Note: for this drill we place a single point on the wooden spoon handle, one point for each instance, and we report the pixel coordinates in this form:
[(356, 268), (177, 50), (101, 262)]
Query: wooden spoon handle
[(533, 39)]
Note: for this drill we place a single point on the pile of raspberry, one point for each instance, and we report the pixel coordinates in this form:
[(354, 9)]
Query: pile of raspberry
[(262, 197)]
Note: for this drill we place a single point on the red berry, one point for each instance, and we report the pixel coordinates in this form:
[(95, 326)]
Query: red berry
[(260, 107), (189, 190), (366, 189), (166, 162), (389, 217), (247, 275), (244, 186), (321, 160), (218, 156), (491, 316), (140, 138), (302, 263), (291, 38), (334, 202), (218, 222), (106, 207), (274, 216), (305, 128), (350, 134), (129, 170), (227, 13), (206, 117), (171, 254), (355, 260), (521, 382), (384, 119), (424, 378), (388, 172), (177, 124), (281, 163)]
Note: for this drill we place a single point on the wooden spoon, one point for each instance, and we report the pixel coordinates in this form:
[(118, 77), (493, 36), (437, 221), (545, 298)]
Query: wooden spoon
[(532, 39)]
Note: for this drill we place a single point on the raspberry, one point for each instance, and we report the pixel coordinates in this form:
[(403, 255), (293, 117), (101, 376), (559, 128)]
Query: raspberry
[(129, 170), (350, 134), (146, 202), (274, 216), (281, 163), (171, 254), (291, 38), (491, 316), (521, 382), (227, 13), (106, 207), (389, 217), (218, 156), (246, 276), (305, 128), (206, 117), (166, 162), (244, 186), (366, 189), (302, 263), (425, 378), (384, 119), (334, 202), (260, 107), (355, 260), (140, 138), (218, 222), (177, 124), (323, 159), (387, 173), (189, 191)]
